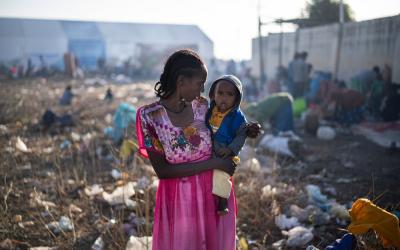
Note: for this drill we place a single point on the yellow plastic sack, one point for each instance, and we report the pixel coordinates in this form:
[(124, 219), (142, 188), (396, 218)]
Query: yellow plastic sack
[(365, 215)]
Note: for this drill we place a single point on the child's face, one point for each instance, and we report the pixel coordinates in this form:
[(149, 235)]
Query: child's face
[(224, 95)]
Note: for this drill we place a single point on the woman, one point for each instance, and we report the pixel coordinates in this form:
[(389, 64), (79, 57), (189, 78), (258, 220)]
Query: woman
[(172, 133)]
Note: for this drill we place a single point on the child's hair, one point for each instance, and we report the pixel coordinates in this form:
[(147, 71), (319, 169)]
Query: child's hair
[(183, 62)]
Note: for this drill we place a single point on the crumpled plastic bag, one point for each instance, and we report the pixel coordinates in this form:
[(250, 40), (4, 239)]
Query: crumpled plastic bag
[(298, 236), (284, 222), (121, 195), (139, 243)]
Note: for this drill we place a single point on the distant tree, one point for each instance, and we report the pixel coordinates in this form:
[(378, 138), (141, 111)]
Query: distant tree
[(320, 12)]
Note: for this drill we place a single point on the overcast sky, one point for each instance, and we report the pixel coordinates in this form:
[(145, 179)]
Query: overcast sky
[(231, 24)]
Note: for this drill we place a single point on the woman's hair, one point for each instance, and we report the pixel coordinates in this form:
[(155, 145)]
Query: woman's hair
[(183, 62)]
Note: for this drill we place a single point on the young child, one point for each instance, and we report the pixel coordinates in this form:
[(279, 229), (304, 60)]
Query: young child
[(229, 126)]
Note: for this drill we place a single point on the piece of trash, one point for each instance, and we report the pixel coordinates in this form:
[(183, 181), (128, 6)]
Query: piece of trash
[(65, 145), (268, 191), (298, 236), (98, 244), (347, 242), (312, 247), (139, 243), (116, 174), (285, 223), (143, 183), (121, 195), (93, 190), (346, 180), (43, 248), (252, 164), (75, 137), (75, 209), (326, 133), (66, 224), (301, 213), (243, 244), (365, 216), (17, 218), (37, 201), (3, 129), (316, 197), (318, 217), (54, 226), (47, 150), (21, 146), (279, 245), (26, 224), (339, 211), (330, 190), (277, 144)]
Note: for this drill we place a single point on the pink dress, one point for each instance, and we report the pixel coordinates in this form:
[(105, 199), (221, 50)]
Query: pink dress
[(185, 216)]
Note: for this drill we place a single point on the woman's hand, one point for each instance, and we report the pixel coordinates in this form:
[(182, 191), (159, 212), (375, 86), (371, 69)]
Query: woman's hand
[(224, 152), (226, 165)]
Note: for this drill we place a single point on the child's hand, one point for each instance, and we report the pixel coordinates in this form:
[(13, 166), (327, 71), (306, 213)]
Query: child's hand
[(253, 129), (224, 152)]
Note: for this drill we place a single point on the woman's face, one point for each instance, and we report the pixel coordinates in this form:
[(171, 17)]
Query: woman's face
[(191, 87)]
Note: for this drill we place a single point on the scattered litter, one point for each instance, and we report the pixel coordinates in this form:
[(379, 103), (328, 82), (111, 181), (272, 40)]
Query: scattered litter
[(139, 243), (21, 146), (3, 129), (326, 133), (301, 213), (54, 226), (95, 189), (279, 245), (17, 218), (65, 145), (268, 191), (75, 209), (98, 244), (243, 244), (316, 197), (121, 195), (95, 81), (36, 200), (116, 174), (66, 224), (285, 223), (75, 137), (143, 182), (346, 180), (252, 165), (298, 236), (278, 144), (43, 248), (340, 212)]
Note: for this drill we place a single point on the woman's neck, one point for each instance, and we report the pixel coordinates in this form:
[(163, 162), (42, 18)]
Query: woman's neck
[(173, 104)]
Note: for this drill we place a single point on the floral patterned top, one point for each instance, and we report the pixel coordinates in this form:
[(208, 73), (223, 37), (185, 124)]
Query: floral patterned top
[(177, 144)]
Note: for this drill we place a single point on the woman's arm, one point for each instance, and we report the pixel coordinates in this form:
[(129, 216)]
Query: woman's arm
[(165, 170)]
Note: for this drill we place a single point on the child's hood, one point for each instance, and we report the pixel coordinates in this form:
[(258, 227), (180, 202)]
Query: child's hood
[(235, 81)]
